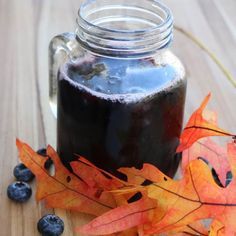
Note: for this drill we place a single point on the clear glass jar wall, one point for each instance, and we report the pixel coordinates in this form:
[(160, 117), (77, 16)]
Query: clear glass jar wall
[(119, 92)]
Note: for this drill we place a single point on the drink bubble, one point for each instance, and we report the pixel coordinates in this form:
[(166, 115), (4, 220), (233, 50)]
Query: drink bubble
[(136, 90), (99, 88), (114, 80)]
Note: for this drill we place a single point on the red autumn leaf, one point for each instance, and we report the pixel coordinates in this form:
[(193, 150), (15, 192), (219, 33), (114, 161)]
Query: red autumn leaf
[(211, 152), (167, 207), (179, 202), (196, 228), (121, 218), (64, 189), (217, 229), (232, 157), (96, 175), (198, 127)]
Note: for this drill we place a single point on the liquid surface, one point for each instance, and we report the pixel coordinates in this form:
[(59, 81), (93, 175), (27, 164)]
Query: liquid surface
[(120, 113), (112, 76)]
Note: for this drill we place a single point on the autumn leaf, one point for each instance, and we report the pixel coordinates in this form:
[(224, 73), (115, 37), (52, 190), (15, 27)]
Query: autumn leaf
[(216, 229), (196, 197), (232, 156), (198, 127), (96, 177), (84, 192), (195, 228), (179, 202), (165, 206), (213, 153), (121, 218)]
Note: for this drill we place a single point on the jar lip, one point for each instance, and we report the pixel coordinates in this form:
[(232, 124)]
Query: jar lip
[(148, 27), (159, 27)]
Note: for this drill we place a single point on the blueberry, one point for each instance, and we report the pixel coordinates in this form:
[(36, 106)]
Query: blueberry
[(19, 191), (50, 225), (22, 173), (43, 152)]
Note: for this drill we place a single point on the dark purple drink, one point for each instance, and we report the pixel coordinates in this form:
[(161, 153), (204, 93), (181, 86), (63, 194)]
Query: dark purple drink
[(119, 113)]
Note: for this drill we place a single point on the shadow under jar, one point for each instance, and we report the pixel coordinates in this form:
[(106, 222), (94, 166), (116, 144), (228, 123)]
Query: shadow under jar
[(119, 92)]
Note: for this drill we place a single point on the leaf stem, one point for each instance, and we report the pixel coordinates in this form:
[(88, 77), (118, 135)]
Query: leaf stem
[(209, 52)]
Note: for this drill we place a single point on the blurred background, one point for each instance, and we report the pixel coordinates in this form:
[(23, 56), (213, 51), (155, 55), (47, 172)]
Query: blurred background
[(26, 28)]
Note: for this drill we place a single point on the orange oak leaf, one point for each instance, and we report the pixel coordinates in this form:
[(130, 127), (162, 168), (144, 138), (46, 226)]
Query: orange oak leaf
[(196, 228), (217, 229), (179, 202), (84, 192), (121, 218), (197, 197), (149, 202), (232, 156), (97, 175), (198, 127), (94, 177), (212, 153)]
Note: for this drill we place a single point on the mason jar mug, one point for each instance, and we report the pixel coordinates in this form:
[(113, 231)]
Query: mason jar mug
[(117, 90)]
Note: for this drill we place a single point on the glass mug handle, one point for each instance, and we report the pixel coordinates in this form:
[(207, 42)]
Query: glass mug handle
[(61, 48)]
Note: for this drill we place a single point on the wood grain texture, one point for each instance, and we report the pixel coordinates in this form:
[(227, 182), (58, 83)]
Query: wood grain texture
[(26, 27)]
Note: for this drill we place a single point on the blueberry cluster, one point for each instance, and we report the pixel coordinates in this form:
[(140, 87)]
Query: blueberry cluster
[(20, 191)]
